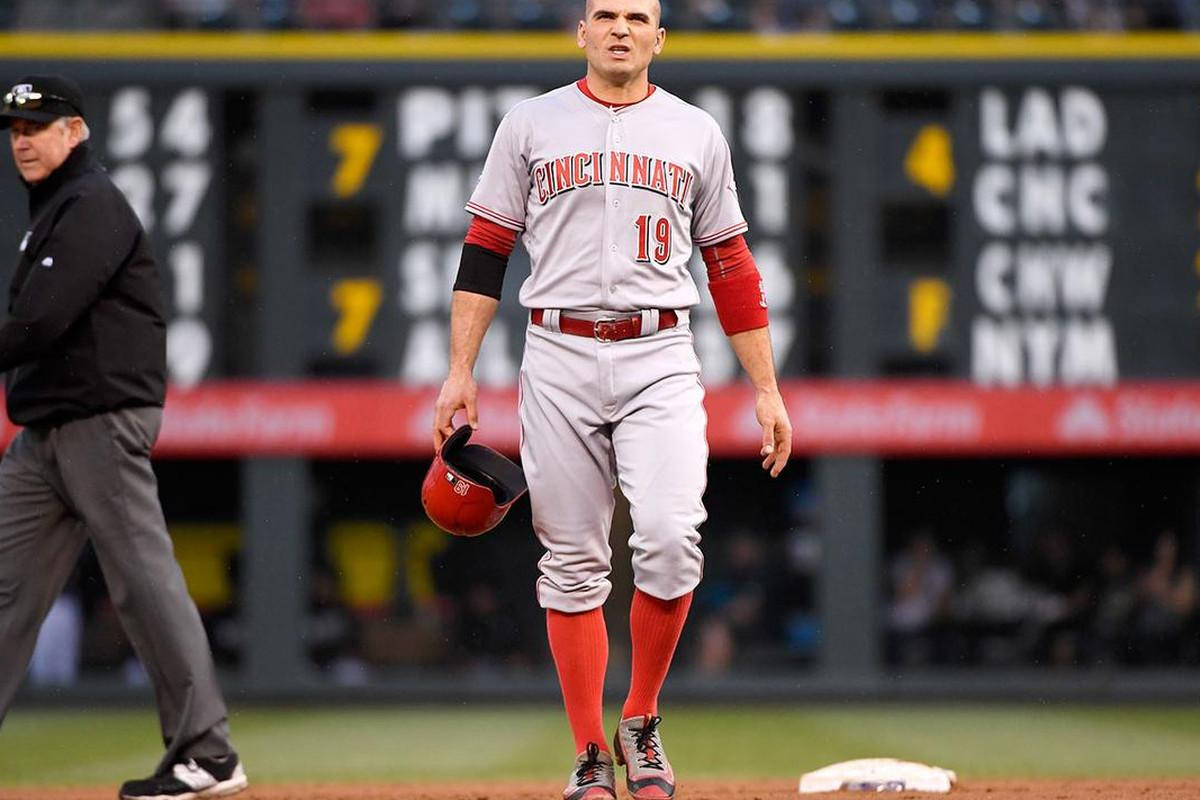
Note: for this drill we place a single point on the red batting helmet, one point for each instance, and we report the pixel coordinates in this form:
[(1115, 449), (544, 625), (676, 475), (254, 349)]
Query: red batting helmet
[(469, 487)]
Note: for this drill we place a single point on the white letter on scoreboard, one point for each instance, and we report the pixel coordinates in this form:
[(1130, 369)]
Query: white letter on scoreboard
[(995, 352), (993, 199), (424, 116), (1089, 354)]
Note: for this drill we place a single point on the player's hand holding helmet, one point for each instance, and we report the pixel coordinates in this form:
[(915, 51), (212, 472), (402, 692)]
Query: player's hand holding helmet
[(469, 487)]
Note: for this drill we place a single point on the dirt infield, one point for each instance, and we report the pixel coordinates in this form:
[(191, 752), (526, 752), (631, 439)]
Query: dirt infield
[(774, 789)]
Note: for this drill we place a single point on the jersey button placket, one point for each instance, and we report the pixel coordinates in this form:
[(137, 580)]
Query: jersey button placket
[(611, 219), (614, 226)]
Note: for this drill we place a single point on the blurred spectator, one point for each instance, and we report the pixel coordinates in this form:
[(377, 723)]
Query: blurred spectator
[(774, 16), (716, 15), (215, 14), (1056, 572), (487, 629), (1027, 15), (710, 15), (55, 659), (333, 634), (1116, 598), (847, 14), (382, 608), (491, 625), (990, 608), (334, 14), (963, 15), (1166, 603), (463, 14), (903, 14), (804, 554), (532, 15), (734, 603), (921, 582), (88, 14), (404, 14), (1094, 14)]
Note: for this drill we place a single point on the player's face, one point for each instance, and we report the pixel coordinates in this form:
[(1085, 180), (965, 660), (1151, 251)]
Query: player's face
[(620, 37), (39, 148)]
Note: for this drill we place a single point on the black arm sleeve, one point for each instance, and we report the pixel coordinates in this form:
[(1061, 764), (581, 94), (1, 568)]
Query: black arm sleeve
[(87, 245), (480, 271)]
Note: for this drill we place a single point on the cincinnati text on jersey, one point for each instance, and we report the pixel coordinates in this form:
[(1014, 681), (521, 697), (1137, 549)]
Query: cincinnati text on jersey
[(560, 175)]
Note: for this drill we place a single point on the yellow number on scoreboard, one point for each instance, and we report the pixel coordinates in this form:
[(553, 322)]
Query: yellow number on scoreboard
[(928, 311), (356, 144), (357, 301)]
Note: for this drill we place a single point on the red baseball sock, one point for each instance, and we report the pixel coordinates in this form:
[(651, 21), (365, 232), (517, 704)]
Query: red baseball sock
[(579, 644), (654, 628)]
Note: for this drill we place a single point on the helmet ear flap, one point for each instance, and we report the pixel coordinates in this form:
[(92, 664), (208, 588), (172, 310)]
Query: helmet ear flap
[(469, 488)]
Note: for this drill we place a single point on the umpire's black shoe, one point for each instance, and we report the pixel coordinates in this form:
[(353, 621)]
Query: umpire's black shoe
[(194, 778)]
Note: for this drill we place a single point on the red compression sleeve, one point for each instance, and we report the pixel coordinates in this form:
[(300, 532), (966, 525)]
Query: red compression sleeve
[(490, 236), (735, 286)]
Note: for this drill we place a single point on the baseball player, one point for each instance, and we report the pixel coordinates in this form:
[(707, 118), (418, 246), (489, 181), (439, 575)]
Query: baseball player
[(611, 182)]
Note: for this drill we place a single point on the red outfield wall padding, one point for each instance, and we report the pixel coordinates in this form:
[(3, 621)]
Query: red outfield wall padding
[(931, 418)]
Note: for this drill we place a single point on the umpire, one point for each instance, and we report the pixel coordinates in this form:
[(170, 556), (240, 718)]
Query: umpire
[(84, 352)]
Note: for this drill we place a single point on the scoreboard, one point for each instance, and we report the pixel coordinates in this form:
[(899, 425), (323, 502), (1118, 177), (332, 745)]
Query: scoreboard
[(1035, 234), (1081, 243), (1020, 231), (388, 177)]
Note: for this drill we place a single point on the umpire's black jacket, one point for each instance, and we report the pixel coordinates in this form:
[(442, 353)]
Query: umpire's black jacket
[(85, 331)]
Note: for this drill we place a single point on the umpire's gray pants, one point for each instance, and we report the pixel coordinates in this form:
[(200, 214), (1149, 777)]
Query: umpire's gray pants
[(92, 478)]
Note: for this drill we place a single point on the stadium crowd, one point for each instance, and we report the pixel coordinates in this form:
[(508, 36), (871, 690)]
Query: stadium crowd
[(391, 595), (758, 15), (1057, 605)]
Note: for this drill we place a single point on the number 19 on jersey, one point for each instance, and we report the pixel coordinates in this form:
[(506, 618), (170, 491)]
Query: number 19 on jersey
[(660, 247)]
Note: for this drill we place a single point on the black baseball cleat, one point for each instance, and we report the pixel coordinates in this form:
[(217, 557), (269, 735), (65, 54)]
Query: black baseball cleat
[(191, 779)]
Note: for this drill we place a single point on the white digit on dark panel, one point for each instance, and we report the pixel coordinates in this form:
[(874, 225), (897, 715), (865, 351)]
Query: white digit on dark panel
[(130, 124), (425, 353), (771, 207), (189, 350), (186, 260), (716, 102), (420, 287), (424, 116), (185, 127), (779, 281), (496, 365), (136, 182), (186, 182), (767, 124)]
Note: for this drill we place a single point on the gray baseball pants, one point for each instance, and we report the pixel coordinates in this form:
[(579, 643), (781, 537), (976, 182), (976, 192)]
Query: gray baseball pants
[(92, 478), (595, 414)]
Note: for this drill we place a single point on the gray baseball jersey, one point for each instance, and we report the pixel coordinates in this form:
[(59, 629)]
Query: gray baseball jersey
[(610, 202)]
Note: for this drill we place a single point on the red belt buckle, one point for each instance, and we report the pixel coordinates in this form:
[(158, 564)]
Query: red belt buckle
[(609, 329)]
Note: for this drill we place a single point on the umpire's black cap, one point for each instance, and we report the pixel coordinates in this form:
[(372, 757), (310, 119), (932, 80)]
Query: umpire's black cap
[(41, 98)]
